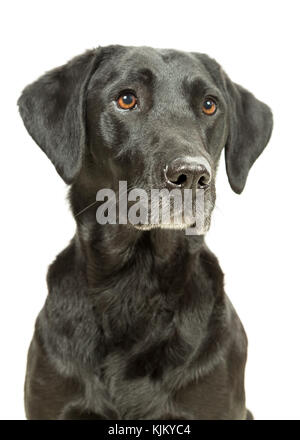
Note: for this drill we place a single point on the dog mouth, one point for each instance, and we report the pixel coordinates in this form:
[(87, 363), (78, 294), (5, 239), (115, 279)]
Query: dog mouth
[(198, 227), (196, 218), (155, 208)]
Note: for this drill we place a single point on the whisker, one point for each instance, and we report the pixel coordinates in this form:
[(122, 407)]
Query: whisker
[(96, 201), (87, 207)]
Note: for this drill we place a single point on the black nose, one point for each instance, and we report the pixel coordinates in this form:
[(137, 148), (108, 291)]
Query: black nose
[(188, 173)]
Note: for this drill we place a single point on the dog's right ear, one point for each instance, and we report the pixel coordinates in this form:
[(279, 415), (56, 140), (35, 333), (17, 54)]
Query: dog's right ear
[(53, 111)]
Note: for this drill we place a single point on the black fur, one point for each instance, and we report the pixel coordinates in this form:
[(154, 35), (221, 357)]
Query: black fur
[(137, 324)]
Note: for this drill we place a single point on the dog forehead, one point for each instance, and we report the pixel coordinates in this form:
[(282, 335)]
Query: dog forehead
[(162, 62), (147, 65)]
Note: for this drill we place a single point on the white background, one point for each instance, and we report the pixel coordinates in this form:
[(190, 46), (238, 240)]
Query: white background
[(255, 235)]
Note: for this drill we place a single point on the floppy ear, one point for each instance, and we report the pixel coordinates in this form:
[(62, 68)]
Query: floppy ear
[(53, 111), (250, 128)]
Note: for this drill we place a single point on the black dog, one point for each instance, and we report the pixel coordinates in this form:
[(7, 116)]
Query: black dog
[(137, 324)]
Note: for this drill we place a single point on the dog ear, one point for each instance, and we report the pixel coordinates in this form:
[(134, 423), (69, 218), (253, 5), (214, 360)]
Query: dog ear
[(250, 128), (53, 111)]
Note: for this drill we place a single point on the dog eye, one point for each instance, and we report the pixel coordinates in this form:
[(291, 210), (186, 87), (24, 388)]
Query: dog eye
[(209, 106), (127, 101)]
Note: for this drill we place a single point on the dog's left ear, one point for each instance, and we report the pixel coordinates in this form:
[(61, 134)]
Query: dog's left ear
[(53, 111), (250, 128)]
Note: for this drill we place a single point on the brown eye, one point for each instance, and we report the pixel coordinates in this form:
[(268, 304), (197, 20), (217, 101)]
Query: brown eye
[(127, 101), (209, 106)]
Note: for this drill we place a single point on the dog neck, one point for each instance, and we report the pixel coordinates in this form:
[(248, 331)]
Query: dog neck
[(113, 249)]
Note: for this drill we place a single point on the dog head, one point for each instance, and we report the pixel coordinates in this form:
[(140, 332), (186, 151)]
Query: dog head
[(157, 119)]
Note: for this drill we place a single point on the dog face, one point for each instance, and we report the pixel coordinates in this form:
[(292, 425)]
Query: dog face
[(157, 119)]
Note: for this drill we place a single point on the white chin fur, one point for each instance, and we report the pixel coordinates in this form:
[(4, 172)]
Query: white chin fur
[(162, 226), (192, 229)]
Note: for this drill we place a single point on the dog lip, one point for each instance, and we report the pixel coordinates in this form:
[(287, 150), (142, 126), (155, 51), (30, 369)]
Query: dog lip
[(173, 226)]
